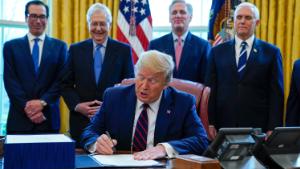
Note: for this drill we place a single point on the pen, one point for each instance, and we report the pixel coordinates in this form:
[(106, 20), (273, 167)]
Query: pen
[(113, 148)]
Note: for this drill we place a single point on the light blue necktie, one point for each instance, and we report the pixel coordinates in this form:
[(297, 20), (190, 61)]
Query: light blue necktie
[(242, 59), (97, 62), (35, 54)]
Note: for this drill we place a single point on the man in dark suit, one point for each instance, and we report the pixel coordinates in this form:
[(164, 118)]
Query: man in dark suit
[(245, 76), (83, 84), (154, 120), (33, 67), (293, 103), (189, 52)]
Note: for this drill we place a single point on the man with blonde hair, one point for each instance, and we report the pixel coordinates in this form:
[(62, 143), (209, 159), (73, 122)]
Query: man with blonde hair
[(148, 117)]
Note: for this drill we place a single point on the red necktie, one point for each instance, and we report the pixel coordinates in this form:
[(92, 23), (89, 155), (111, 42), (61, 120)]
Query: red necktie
[(178, 50), (141, 131)]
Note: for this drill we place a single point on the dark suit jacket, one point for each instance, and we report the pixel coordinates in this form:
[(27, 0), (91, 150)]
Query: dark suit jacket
[(177, 121), (293, 104), (22, 84), (255, 100), (79, 83), (194, 55)]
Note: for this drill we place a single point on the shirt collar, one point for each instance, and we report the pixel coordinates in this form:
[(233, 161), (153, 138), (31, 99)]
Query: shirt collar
[(154, 106), (103, 44), (32, 37), (175, 37), (249, 41)]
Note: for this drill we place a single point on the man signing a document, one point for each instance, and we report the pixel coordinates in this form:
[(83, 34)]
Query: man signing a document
[(148, 117)]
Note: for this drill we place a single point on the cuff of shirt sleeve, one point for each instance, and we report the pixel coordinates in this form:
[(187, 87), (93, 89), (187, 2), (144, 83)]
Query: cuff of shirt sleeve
[(171, 152), (92, 148)]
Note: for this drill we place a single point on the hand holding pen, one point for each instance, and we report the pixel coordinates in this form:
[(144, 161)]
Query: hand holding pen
[(105, 144), (113, 148)]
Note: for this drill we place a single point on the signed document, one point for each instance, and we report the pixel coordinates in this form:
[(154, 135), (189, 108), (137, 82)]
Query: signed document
[(123, 160)]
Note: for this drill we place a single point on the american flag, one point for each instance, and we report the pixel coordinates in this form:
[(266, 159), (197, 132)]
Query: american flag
[(135, 25)]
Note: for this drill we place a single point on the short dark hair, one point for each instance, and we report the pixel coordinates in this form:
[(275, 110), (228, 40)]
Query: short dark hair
[(36, 2)]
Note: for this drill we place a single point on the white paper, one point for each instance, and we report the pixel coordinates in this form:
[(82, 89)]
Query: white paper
[(40, 138), (125, 160)]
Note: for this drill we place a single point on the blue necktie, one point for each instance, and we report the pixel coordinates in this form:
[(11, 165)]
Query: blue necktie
[(35, 54), (141, 131), (97, 62), (242, 59)]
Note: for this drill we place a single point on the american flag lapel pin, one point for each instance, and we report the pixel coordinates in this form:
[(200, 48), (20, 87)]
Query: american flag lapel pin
[(168, 111)]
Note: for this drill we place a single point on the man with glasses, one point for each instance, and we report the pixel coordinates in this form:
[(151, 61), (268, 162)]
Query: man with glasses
[(246, 80), (33, 67), (94, 64), (147, 117), (189, 52)]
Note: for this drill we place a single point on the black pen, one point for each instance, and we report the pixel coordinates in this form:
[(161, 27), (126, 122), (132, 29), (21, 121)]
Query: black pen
[(113, 148)]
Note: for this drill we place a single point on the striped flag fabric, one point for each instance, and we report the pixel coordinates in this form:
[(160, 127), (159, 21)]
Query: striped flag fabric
[(134, 25), (221, 21)]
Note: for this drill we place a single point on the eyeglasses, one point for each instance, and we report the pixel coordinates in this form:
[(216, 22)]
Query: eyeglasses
[(36, 17)]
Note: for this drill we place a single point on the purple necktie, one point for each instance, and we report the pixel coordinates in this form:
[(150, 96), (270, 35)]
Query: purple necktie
[(242, 59), (141, 131)]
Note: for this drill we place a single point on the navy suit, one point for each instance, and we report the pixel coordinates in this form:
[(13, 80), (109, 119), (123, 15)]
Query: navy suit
[(255, 100), (293, 103), (79, 83), (177, 121), (194, 55), (22, 84)]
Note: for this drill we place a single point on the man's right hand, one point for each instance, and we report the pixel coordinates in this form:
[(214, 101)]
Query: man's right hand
[(104, 145), (88, 109)]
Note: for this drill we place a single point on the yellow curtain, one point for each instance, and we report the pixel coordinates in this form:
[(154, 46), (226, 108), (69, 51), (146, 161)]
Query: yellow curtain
[(69, 24), (280, 25)]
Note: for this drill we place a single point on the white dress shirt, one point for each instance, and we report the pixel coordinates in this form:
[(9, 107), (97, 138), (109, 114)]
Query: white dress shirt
[(40, 43), (238, 47), (152, 112), (102, 49), (175, 39)]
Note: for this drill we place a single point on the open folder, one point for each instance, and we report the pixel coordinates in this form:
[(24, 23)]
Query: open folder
[(124, 160)]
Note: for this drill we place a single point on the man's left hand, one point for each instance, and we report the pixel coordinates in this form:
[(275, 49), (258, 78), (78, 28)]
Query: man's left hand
[(151, 153)]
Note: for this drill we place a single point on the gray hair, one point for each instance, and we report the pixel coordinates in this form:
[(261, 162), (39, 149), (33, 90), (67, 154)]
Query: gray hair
[(188, 6), (99, 7), (253, 8), (157, 62)]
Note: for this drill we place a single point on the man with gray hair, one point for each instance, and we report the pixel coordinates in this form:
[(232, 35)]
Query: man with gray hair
[(148, 117), (94, 65), (246, 80), (189, 52)]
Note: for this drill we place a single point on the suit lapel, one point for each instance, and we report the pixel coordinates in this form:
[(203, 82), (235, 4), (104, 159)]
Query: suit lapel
[(170, 48), (232, 59), (128, 112), (185, 53), (88, 50), (108, 62), (27, 54), (47, 48), (164, 117), (254, 53)]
